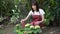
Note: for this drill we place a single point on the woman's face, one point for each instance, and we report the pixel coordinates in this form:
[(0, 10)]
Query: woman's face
[(34, 7)]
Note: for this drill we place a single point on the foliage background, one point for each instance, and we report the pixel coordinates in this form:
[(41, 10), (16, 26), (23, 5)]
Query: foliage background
[(18, 9)]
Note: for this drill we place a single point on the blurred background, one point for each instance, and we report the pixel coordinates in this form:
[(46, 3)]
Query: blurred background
[(12, 11)]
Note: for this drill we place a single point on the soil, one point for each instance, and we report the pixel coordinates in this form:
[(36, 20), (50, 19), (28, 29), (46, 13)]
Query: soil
[(9, 29)]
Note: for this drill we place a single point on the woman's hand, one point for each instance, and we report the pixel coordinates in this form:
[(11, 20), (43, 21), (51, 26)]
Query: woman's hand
[(37, 23), (22, 20)]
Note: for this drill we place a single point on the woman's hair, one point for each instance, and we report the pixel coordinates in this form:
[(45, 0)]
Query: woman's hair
[(37, 6)]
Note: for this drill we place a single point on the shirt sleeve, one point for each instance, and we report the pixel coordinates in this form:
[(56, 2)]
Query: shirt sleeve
[(30, 13), (41, 11)]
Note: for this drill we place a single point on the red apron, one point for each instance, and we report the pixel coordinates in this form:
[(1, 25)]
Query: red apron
[(35, 19)]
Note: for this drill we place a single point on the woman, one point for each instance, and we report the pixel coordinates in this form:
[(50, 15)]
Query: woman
[(37, 15)]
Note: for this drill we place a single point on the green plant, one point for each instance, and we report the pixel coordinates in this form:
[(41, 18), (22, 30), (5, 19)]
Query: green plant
[(27, 29)]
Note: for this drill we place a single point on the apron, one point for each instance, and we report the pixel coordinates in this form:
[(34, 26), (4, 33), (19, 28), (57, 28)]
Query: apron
[(34, 20)]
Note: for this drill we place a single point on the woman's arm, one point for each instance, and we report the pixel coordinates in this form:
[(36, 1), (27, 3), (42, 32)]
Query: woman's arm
[(42, 18), (42, 14), (24, 19), (27, 16)]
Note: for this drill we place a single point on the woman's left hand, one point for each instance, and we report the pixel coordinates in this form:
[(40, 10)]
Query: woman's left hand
[(37, 23)]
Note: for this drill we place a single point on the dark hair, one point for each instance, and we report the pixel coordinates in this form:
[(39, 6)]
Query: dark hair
[(37, 6)]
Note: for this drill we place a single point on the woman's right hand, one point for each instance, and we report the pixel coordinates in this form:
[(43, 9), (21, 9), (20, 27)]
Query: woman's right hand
[(22, 20)]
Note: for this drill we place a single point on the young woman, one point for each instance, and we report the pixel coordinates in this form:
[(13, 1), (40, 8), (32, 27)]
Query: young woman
[(37, 15)]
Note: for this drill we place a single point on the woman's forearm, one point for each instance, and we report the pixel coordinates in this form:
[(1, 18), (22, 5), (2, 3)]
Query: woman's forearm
[(42, 19), (26, 18)]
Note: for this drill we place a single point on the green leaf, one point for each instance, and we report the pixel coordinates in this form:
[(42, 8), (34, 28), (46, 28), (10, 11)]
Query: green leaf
[(20, 32)]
